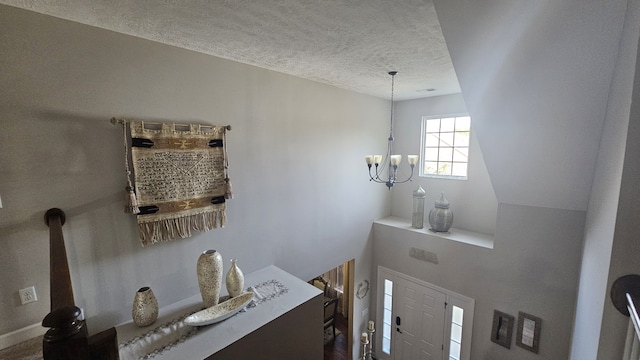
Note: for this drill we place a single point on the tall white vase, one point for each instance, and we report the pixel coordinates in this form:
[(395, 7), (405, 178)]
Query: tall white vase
[(145, 307), (210, 272), (235, 279)]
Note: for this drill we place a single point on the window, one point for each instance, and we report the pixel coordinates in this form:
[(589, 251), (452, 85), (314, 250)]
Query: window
[(445, 146), (386, 316), (455, 340)]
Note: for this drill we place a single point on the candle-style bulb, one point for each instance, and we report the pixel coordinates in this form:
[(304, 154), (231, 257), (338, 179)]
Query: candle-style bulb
[(364, 338)]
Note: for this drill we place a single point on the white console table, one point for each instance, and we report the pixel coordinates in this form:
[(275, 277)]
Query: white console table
[(287, 326)]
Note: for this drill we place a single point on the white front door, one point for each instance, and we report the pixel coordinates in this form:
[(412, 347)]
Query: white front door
[(416, 321)]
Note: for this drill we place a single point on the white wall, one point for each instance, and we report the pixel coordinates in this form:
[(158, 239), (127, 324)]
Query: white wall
[(473, 201), (536, 76), (533, 267), (603, 210), (302, 200)]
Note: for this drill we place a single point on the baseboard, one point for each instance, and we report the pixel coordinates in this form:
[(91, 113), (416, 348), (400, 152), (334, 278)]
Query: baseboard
[(20, 335)]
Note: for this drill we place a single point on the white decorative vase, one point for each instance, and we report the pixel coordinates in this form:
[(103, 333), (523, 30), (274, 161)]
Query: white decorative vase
[(417, 219), (235, 279), (441, 217), (210, 272), (145, 307)]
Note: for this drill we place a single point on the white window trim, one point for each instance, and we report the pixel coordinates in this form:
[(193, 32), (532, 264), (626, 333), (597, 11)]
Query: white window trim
[(423, 131)]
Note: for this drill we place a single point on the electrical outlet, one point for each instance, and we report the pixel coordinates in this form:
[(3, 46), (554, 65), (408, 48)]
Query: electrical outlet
[(28, 295)]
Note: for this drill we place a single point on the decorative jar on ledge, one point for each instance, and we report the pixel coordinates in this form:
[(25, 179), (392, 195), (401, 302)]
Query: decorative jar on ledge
[(441, 217), (145, 307), (235, 279), (209, 268), (417, 220)]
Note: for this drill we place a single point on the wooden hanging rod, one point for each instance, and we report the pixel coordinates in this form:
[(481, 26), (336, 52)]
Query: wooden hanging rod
[(116, 121)]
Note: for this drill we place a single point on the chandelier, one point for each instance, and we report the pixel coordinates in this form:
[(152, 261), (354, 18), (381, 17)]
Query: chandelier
[(386, 170)]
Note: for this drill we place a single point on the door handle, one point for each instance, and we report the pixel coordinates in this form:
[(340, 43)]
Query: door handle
[(398, 321)]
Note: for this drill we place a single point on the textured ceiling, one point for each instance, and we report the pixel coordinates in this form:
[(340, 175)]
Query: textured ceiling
[(350, 44)]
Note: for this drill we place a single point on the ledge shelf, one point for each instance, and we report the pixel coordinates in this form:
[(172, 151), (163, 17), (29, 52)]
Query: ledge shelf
[(462, 236)]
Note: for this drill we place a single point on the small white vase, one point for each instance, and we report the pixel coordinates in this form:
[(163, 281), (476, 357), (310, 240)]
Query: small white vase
[(210, 272), (235, 279), (145, 307)]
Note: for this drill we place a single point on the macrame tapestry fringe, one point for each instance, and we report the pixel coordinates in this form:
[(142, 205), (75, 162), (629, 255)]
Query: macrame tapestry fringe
[(131, 203), (169, 229)]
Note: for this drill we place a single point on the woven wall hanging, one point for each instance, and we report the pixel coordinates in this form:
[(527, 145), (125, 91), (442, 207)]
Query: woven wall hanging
[(180, 177)]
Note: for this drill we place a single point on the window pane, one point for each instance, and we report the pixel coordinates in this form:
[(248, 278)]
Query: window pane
[(446, 154), (386, 316), (432, 140), (459, 169), (386, 328), (433, 125), (463, 123), (456, 333), (456, 317), (431, 154), (454, 350), (430, 167), (462, 138), (388, 287), (387, 301), (386, 345), (447, 124), (444, 168), (461, 155), (446, 139)]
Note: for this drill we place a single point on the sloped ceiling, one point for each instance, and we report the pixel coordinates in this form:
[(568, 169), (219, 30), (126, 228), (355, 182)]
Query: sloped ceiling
[(350, 44), (535, 76)]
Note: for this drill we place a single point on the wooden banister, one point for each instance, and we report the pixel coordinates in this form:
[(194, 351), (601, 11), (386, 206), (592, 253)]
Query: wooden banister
[(68, 337), (60, 279)]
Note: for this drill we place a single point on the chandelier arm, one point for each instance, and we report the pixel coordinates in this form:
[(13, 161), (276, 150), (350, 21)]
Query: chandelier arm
[(410, 178), (377, 176)]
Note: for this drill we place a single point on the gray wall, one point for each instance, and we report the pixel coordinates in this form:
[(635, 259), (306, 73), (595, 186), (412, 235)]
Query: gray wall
[(533, 268), (626, 247), (590, 340), (302, 199), (536, 78), (473, 201), (547, 84)]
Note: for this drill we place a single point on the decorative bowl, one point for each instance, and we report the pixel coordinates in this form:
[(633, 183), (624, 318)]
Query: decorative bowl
[(219, 312)]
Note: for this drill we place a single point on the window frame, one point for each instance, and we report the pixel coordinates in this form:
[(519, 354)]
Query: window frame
[(423, 136)]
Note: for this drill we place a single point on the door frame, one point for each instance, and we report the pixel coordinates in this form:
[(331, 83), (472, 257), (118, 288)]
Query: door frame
[(452, 298)]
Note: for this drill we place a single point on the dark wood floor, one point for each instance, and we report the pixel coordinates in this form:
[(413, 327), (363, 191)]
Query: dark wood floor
[(337, 349)]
